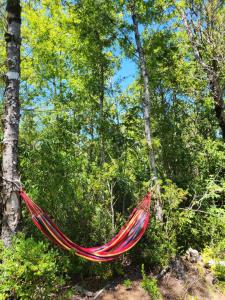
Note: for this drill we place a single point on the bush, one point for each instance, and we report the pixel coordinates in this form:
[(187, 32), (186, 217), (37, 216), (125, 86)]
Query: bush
[(160, 240), (219, 271), (216, 253), (127, 283), (30, 270), (150, 285)]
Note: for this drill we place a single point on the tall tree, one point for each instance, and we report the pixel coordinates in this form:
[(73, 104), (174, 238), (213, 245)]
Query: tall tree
[(147, 106), (204, 22), (10, 202)]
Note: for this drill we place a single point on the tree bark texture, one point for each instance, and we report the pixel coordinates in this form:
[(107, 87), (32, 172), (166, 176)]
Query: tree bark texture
[(147, 110), (10, 196)]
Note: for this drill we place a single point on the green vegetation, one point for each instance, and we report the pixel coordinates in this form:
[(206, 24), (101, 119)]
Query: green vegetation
[(150, 285), (127, 283), (216, 256), (30, 270)]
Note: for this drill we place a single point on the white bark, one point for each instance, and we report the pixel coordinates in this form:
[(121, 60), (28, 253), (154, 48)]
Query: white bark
[(147, 111), (10, 197), (101, 106), (110, 187)]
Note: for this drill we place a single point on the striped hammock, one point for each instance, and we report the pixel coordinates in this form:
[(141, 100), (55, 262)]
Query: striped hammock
[(127, 237)]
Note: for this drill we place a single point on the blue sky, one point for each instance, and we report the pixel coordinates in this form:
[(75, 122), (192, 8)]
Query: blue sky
[(127, 73)]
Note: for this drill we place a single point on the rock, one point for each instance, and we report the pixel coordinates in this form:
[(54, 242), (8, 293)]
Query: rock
[(192, 255), (210, 263), (83, 291), (89, 294), (178, 268), (215, 280)]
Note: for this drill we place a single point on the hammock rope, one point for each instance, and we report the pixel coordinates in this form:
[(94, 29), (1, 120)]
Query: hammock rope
[(126, 239)]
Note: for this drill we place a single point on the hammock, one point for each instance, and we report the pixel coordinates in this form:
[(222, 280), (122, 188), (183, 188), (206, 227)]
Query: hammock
[(127, 237)]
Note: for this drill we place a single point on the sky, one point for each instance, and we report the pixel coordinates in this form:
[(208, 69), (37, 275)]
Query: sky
[(127, 73)]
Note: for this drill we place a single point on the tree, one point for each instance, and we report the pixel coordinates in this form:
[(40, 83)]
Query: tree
[(10, 198), (204, 23), (147, 107)]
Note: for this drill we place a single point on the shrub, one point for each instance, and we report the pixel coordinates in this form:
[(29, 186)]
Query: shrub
[(150, 285), (160, 240), (219, 271), (127, 283), (217, 254), (30, 270)]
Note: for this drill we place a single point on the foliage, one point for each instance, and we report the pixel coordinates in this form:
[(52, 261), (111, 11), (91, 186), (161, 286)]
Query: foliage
[(150, 285), (216, 253), (30, 270), (219, 271), (164, 238), (127, 283)]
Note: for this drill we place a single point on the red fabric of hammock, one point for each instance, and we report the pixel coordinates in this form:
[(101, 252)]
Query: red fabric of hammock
[(126, 239)]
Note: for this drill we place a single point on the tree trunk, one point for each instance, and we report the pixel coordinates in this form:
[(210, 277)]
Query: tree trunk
[(147, 112), (101, 106), (10, 196), (217, 95)]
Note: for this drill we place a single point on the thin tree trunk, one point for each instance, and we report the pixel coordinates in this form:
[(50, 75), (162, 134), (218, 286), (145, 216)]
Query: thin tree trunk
[(147, 112), (217, 95), (110, 187), (101, 106), (11, 202)]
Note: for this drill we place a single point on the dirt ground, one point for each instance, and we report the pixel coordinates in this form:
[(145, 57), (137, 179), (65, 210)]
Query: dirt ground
[(195, 283), (121, 293), (171, 289)]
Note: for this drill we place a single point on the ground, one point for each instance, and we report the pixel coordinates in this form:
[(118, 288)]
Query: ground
[(184, 281), (171, 289)]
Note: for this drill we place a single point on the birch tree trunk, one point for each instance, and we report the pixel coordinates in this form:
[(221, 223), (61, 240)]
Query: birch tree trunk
[(147, 110), (10, 196), (101, 106)]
